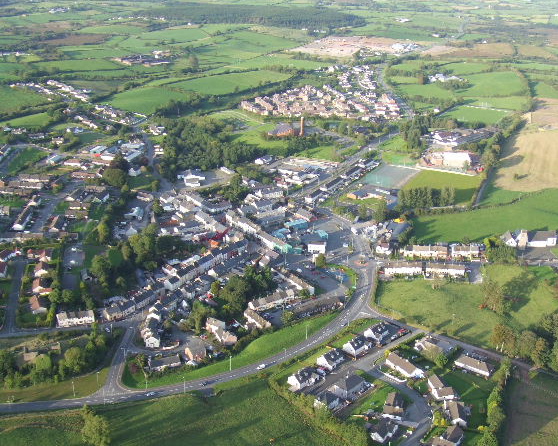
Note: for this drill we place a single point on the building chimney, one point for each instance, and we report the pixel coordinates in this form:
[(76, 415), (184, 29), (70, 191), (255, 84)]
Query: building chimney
[(301, 132)]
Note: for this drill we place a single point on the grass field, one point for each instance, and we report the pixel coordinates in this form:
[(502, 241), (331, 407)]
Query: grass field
[(229, 83), (464, 185), (30, 121), (24, 158), (263, 347), (417, 303), (531, 212), (145, 100), (467, 113), (532, 410), (12, 99), (496, 83), (248, 413)]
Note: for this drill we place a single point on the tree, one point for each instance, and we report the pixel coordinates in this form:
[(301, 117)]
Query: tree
[(157, 207), (101, 268), (103, 231), (504, 339), (441, 360), (488, 439), (494, 297), (287, 317), (215, 288), (73, 360), (68, 296), (381, 212), (320, 261), (96, 429), (119, 162), (362, 212), (540, 352), (115, 177)]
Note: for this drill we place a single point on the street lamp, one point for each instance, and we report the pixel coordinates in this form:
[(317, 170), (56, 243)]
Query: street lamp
[(184, 380), (97, 380), (73, 388), (230, 363)]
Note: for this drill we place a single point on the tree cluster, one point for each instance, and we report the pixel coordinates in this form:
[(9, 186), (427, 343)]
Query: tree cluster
[(426, 197)]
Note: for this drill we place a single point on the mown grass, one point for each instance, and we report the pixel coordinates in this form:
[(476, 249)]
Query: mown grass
[(454, 308), (263, 347), (531, 212), (26, 157), (465, 186)]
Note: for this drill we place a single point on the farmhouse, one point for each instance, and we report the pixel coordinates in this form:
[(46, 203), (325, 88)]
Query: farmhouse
[(477, 366), (403, 366)]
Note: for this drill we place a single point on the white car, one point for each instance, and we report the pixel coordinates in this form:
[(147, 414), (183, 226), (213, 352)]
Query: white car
[(260, 367)]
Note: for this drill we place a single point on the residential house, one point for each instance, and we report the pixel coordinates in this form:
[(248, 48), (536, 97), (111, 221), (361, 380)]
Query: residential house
[(43, 255), (426, 252), (377, 333), (435, 345), (41, 287), (476, 366), (542, 239), (75, 318), (439, 390), (327, 399), (403, 366), (439, 269), (41, 269), (394, 406), (303, 378), (457, 413), (160, 364), (383, 431), (217, 327), (356, 346), (255, 321), (309, 307), (465, 252), (195, 351), (331, 359), (349, 387), (453, 436), (38, 305), (402, 268)]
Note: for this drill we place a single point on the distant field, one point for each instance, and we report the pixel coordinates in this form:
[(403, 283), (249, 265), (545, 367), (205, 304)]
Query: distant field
[(80, 65), (247, 413), (24, 158), (532, 410), (466, 67), (229, 83), (416, 302), (144, 100), (531, 212), (490, 50), (496, 83), (465, 186), (12, 99), (535, 51)]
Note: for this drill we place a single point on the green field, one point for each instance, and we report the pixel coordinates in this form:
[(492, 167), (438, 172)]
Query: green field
[(531, 212), (13, 99), (25, 157), (246, 413), (496, 83), (145, 100), (30, 121), (467, 114), (416, 302), (263, 347), (464, 185), (229, 83)]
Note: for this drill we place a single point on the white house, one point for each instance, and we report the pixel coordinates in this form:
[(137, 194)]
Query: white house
[(477, 366), (403, 366), (303, 378), (72, 319), (377, 332), (439, 390), (356, 346), (331, 359)]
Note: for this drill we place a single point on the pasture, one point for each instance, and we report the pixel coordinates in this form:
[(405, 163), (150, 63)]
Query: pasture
[(469, 114), (532, 410), (145, 100), (415, 302), (464, 185), (14, 99), (229, 83), (496, 83), (29, 121), (531, 212)]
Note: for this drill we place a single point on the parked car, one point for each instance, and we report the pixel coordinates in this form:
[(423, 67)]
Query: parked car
[(260, 367)]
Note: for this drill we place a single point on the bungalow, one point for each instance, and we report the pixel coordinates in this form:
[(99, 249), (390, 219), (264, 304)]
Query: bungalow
[(439, 390), (356, 346), (327, 399), (331, 359), (377, 332), (453, 436), (38, 305), (403, 366), (438, 346), (349, 387), (303, 378), (477, 366), (457, 413), (160, 364), (72, 319), (383, 431), (41, 269), (541, 239), (394, 406), (254, 320)]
